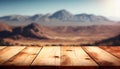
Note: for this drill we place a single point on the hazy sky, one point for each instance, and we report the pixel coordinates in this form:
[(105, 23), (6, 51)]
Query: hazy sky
[(108, 8)]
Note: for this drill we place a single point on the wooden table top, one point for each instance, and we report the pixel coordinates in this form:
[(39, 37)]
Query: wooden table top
[(60, 56)]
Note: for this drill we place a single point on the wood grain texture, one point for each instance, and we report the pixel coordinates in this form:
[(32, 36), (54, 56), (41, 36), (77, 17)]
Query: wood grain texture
[(35, 57), (1, 47), (102, 57), (25, 57), (75, 56), (49, 56), (84, 58), (8, 52), (115, 50)]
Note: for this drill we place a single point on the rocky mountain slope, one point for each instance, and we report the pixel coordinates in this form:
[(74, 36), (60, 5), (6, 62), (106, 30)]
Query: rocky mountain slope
[(114, 41), (34, 31)]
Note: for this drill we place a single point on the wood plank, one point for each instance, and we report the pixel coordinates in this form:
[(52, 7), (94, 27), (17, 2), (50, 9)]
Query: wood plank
[(84, 58), (67, 56), (102, 57), (115, 50), (75, 56), (49, 56), (8, 52), (25, 57), (1, 47)]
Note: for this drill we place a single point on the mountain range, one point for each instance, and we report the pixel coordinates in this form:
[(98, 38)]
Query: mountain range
[(59, 18), (34, 31), (61, 25)]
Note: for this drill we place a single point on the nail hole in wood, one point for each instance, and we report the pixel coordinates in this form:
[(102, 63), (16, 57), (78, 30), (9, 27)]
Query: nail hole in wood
[(56, 56), (68, 50), (87, 58)]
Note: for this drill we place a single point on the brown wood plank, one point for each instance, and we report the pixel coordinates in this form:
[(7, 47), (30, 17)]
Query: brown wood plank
[(115, 50), (8, 52), (102, 57), (75, 56), (49, 56), (25, 57), (84, 58), (1, 47), (66, 52)]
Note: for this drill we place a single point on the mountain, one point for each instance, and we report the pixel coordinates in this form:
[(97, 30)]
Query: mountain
[(91, 18), (114, 41), (5, 30), (36, 17), (62, 15), (19, 18), (59, 18), (30, 31), (5, 27), (34, 31)]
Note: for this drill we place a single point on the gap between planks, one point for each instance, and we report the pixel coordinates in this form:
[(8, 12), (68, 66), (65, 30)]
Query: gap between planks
[(2, 47), (8, 52), (75, 56), (102, 57), (49, 56), (24, 57), (114, 50)]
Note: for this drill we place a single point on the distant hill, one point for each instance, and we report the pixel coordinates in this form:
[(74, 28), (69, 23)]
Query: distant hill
[(114, 41), (30, 31), (4, 26), (38, 31), (59, 18), (34, 31)]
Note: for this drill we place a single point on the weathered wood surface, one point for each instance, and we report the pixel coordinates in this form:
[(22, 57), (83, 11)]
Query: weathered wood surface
[(8, 52), (115, 50), (1, 47), (102, 57), (49, 56), (57, 56), (25, 57), (75, 56)]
